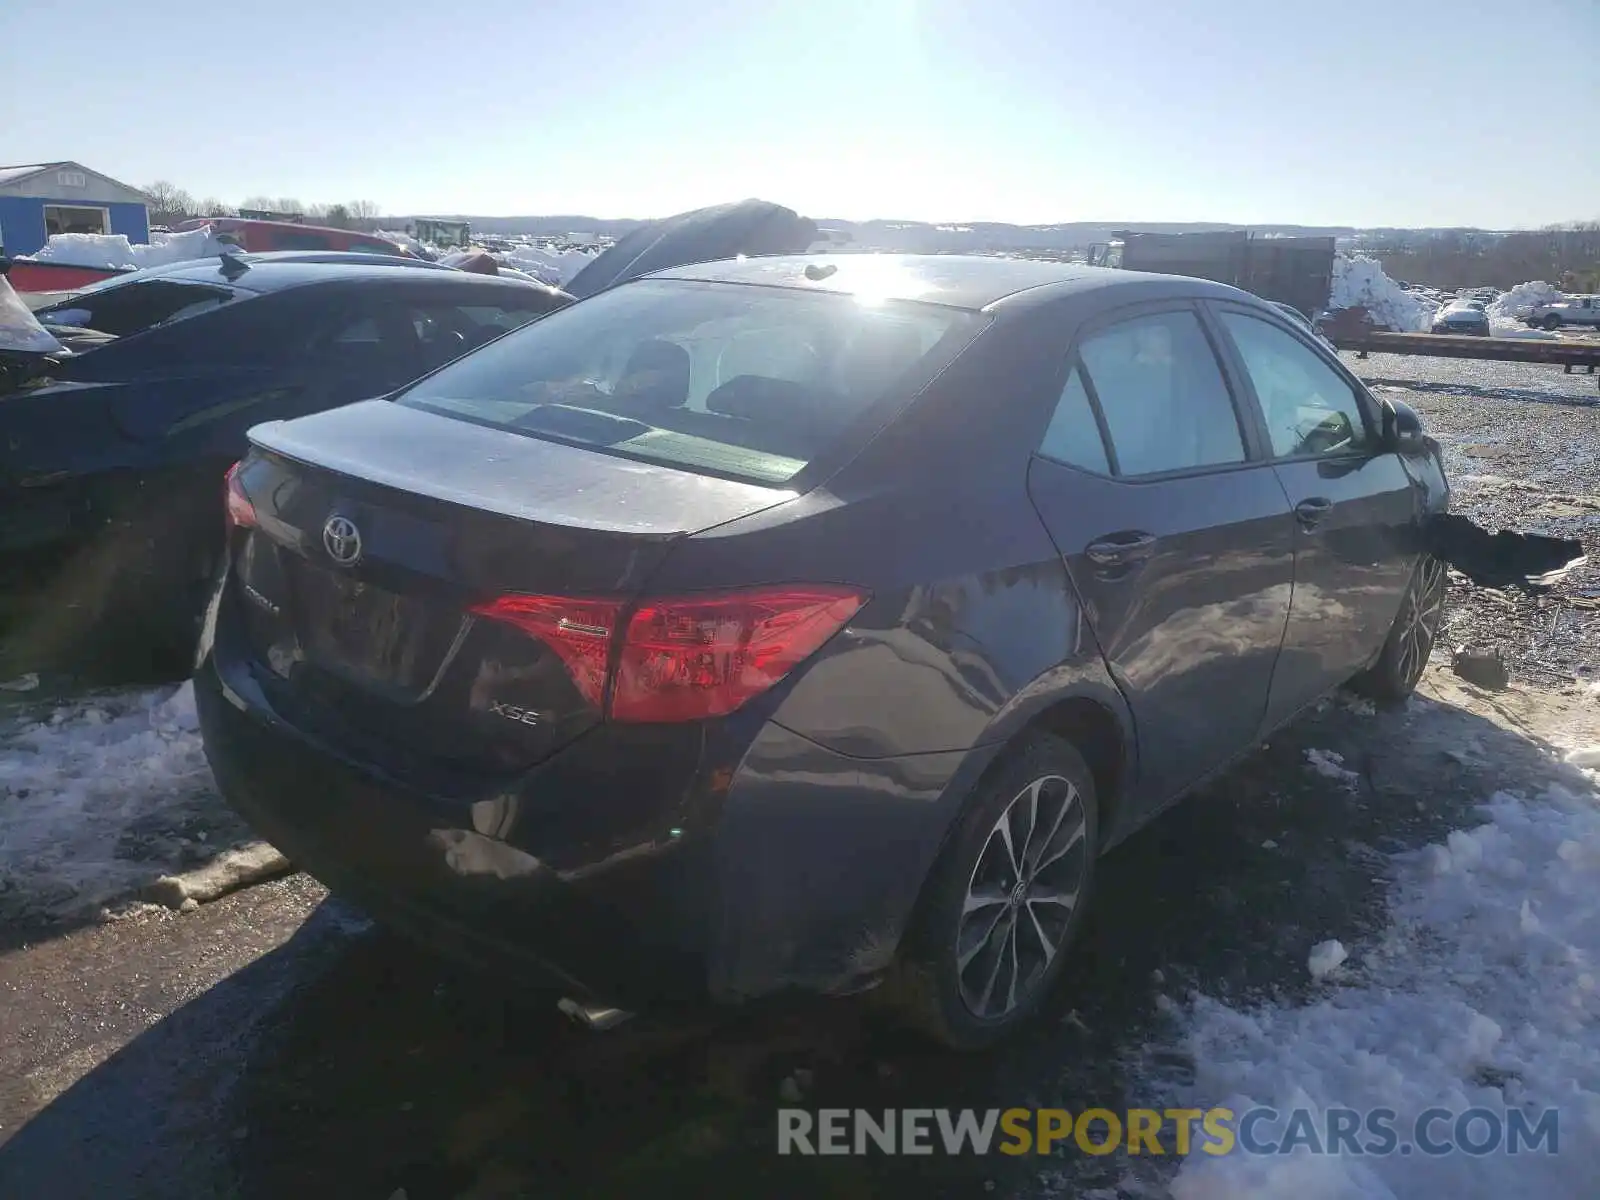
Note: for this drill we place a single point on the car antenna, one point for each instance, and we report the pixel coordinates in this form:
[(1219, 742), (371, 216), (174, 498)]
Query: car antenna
[(233, 261)]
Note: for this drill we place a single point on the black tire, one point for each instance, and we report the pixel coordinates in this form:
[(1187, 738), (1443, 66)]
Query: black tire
[(1041, 779), (1405, 652), (1552, 322)]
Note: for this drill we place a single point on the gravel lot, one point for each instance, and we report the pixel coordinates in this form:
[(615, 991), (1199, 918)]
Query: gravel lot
[(1522, 448)]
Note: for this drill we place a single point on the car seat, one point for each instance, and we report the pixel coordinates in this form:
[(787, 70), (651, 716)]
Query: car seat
[(656, 379)]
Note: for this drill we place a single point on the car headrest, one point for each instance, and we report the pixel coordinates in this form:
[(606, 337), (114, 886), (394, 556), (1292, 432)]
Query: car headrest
[(762, 396), (658, 355), (657, 374)]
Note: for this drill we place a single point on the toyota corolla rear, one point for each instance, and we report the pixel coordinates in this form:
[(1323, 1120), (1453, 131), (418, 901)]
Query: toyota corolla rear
[(441, 675)]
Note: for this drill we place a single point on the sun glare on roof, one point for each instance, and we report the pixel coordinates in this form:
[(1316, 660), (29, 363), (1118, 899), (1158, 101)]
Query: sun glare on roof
[(872, 279)]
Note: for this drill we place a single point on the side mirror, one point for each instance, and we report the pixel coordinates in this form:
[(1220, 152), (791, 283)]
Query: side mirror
[(1402, 428)]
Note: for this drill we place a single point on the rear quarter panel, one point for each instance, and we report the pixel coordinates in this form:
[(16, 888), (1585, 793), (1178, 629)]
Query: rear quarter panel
[(873, 747), (971, 604)]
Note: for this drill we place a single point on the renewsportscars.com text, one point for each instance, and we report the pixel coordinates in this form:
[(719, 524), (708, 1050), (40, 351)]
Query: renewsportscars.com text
[(1176, 1131)]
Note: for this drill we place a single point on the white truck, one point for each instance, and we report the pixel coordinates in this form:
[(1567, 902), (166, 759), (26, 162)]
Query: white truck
[(1574, 310)]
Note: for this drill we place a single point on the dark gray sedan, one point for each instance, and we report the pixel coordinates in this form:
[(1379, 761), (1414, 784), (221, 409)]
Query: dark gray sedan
[(1465, 317), (805, 622)]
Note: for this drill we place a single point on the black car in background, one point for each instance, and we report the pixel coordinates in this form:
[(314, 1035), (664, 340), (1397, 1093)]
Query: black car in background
[(112, 457), (805, 623)]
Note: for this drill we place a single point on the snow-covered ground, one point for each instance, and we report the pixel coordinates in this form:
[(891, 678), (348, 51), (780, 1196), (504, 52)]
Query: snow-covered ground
[(113, 250), (100, 797), (1483, 992)]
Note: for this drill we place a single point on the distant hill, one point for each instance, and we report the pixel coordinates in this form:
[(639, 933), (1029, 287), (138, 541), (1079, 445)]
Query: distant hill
[(907, 235), (959, 236)]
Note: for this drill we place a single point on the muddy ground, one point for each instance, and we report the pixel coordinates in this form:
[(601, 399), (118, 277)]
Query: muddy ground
[(1522, 448)]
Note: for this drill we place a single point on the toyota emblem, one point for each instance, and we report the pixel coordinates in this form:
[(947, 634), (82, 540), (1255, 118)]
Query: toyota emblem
[(342, 540)]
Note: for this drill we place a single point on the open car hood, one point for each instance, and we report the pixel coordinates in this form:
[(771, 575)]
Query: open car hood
[(706, 234)]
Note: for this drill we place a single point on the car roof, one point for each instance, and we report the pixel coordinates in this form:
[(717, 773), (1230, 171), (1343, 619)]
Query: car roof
[(273, 273), (955, 280)]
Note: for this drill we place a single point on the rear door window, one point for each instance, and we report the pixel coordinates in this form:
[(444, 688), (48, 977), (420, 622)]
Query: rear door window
[(371, 342), (1073, 436), (134, 307), (1162, 394), (749, 382)]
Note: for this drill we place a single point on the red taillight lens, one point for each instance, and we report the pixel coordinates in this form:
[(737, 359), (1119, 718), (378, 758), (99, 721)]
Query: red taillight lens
[(692, 657), (686, 658), (241, 513), (579, 631)]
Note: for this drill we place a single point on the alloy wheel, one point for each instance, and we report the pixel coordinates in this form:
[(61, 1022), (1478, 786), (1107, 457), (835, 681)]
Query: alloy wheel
[(1021, 897), (1420, 621)]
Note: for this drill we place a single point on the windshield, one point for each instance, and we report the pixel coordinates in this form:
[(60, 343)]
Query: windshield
[(133, 306), (727, 379)]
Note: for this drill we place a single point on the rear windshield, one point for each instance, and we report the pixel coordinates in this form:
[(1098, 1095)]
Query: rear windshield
[(132, 306), (726, 379)]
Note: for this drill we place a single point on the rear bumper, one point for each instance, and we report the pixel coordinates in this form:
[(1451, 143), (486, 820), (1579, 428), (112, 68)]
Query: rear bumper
[(796, 867)]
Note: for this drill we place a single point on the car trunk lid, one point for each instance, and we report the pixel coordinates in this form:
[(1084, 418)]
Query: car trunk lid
[(379, 530)]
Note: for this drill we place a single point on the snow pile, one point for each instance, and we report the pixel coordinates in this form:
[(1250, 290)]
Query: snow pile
[(1326, 957), (113, 251), (19, 328), (1330, 765), (1360, 281), (554, 267), (102, 797), (1484, 992), (1507, 312)]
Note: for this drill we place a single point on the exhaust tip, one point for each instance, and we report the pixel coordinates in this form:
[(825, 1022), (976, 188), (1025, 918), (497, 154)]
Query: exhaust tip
[(594, 1017)]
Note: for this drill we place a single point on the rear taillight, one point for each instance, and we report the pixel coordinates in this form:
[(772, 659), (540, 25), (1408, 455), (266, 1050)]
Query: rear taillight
[(579, 631), (683, 658), (241, 513)]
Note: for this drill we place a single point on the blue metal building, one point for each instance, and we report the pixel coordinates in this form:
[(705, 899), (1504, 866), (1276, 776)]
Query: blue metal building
[(66, 197)]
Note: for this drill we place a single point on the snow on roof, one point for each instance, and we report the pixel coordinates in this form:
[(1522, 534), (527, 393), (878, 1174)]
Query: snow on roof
[(12, 174), (96, 181)]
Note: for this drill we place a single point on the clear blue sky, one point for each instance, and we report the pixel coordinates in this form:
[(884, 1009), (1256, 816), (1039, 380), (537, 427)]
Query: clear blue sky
[(1364, 112)]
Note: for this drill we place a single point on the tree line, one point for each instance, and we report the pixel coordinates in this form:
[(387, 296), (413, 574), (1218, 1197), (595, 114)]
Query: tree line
[(170, 204), (1565, 255)]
